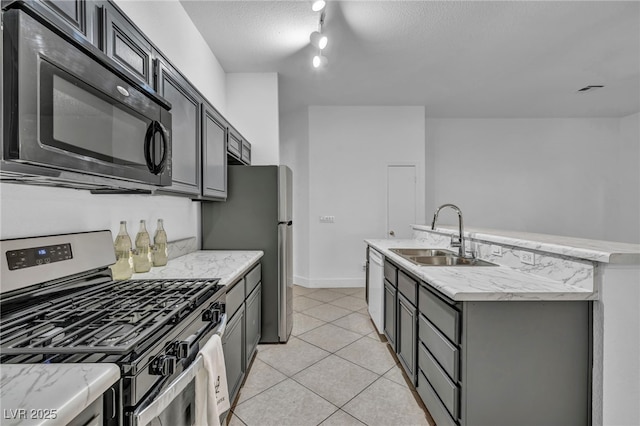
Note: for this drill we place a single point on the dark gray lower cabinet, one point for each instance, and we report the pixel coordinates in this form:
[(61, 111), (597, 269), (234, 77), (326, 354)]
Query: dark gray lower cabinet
[(390, 313), (252, 337), (233, 348), (241, 337), (407, 335), (494, 363)]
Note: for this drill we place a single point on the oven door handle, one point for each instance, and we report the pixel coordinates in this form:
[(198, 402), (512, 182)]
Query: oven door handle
[(145, 413)]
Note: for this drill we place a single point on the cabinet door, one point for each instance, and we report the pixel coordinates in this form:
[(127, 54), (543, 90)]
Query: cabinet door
[(407, 336), (390, 314), (123, 43), (253, 323), (233, 349), (214, 154), (234, 147), (185, 132), (77, 15), (246, 152)]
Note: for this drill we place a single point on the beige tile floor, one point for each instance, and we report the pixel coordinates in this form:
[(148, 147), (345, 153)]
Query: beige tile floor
[(333, 371)]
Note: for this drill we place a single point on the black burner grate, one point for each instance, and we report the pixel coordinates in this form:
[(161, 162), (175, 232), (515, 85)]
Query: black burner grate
[(110, 318)]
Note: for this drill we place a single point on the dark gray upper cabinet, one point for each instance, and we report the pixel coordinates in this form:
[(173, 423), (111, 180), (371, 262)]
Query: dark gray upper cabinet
[(74, 13), (185, 134), (238, 149), (214, 157), (123, 43)]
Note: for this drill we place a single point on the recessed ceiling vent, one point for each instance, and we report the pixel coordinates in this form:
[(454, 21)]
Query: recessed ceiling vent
[(589, 88)]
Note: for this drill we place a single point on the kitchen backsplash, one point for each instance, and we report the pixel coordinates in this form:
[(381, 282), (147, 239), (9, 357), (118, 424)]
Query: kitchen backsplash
[(181, 247), (571, 271)]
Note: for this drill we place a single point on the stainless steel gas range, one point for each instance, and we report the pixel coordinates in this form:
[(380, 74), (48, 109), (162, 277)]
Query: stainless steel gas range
[(60, 305)]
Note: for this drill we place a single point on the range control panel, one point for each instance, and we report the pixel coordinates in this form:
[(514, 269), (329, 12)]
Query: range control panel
[(36, 256)]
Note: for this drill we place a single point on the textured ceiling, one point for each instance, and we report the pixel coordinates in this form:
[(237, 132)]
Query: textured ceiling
[(459, 59)]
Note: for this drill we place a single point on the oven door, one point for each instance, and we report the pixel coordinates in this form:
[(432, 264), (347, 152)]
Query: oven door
[(176, 404), (65, 109)]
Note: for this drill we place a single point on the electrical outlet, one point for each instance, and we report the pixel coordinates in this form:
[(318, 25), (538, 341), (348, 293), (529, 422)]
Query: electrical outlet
[(327, 219), (528, 257), (496, 250)]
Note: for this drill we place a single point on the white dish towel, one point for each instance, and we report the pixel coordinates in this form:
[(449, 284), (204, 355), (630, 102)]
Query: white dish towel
[(212, 394)]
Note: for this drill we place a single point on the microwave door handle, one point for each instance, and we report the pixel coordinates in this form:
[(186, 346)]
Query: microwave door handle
[(150, 147), (164, 137)]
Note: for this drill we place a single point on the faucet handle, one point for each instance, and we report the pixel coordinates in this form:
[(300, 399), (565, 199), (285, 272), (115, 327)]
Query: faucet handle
[(456, 241)]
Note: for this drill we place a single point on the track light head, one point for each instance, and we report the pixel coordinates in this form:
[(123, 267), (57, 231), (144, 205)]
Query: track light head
[(318, 40), (318, 5), (319, 61)]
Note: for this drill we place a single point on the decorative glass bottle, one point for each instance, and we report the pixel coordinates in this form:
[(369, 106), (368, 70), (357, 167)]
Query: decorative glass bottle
[(123, 268), (142, 257), (160, 252)]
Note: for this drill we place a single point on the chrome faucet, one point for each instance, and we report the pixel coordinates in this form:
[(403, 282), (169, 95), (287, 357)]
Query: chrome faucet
[(455, 242)]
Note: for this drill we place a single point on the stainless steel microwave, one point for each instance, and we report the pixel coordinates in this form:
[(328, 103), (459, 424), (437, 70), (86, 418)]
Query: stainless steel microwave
[(67, 110)]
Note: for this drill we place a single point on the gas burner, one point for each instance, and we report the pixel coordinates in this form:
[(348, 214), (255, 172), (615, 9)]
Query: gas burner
[(114, 332), (51, 336)]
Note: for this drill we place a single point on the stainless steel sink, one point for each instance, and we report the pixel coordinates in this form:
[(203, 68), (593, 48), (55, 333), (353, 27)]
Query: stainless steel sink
[(448, 261), (438, 257), (422, 252)]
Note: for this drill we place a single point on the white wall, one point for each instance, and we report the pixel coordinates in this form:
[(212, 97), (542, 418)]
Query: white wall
[(252, 108), (167, 24), (565, 176), (349, 151), (294, 152), (30, 211)]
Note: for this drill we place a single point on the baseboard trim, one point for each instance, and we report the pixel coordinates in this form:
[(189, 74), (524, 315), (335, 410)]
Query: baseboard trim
[(328, 282)]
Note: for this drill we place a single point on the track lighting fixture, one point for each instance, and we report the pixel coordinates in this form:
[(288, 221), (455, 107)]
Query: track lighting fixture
[(318, 40), (319, 61), (318, 5)]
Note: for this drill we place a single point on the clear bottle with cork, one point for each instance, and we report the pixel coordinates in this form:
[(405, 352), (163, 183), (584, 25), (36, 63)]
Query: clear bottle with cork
[(160, 252), (142, 257), (123, 268)]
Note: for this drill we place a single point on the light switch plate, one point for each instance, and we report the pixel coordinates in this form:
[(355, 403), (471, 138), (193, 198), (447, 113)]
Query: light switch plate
[(496, 250)]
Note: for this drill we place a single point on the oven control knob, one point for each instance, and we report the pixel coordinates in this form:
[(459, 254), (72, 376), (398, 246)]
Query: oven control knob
[(182, 349), (163, 365), (211, 314)]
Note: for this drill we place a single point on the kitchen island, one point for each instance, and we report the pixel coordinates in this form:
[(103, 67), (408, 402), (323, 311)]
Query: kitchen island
[(570, 279)]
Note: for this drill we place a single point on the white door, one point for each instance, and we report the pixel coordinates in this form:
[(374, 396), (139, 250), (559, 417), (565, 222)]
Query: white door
[(401, 200)]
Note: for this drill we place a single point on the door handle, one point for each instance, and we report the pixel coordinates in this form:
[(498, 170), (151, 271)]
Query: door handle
[(150, 147), (393, 234)]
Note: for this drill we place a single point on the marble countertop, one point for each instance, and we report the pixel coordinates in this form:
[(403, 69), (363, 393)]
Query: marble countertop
[(31, 392), (483, 283), (228, 265), (593, 250)]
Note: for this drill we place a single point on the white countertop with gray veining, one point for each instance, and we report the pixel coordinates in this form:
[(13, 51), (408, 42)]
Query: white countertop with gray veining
[(581, 248), (482, 283), (51, 394), (228, 265)]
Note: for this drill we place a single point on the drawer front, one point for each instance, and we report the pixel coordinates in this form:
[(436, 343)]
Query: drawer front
[(435, 407), (390, 272), (443, 316), (235, 298), (408, 287), (447, 355), (252, 279), (448, 392)]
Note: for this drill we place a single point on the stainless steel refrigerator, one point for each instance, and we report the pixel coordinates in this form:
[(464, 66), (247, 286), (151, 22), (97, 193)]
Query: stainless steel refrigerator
[(257, 216)]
